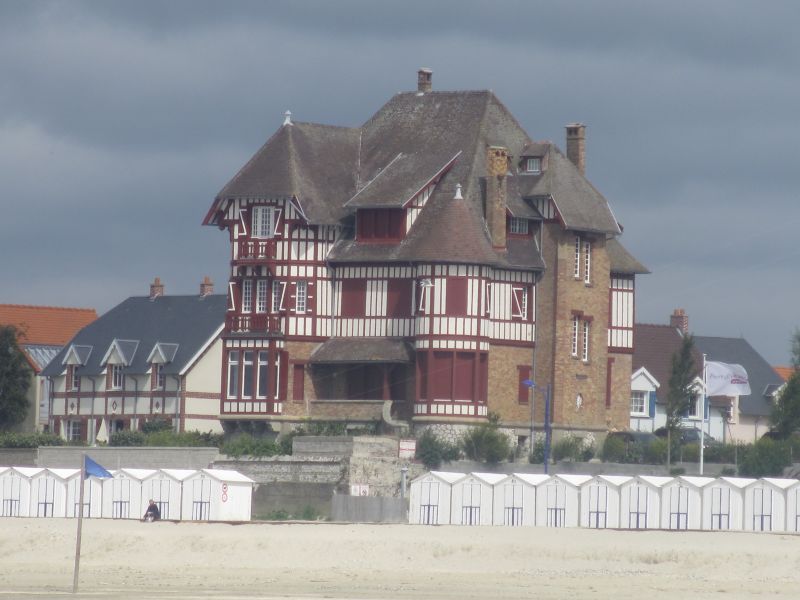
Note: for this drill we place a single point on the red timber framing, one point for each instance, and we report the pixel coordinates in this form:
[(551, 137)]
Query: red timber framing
[(380, 225), (621, 314), (254, 377)]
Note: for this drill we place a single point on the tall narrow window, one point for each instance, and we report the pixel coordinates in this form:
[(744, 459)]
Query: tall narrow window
[(73, 378), (261, 296), (233, 374), (247, 295), (587, 262), (117, 377), (263, 374), (577, 271), (159, 379), (575, 324), (488, 299), (519, 300), (263, 222), (278, 293), (424, 286), (585, 355), (301, 297), (247, 374)]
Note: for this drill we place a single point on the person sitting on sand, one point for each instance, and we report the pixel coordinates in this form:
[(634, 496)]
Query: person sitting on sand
[(152, 513)]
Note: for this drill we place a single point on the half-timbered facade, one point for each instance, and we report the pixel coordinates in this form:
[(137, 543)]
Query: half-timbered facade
[(150, 357), (395, 271)]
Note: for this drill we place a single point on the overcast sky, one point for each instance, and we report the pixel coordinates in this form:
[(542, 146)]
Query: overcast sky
[(120, 121)]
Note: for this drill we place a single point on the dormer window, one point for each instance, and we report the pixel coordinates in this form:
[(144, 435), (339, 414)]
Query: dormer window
[(73, 378), (117, 377), (263, 222), (159, 380), (533, 165), (518, 226)]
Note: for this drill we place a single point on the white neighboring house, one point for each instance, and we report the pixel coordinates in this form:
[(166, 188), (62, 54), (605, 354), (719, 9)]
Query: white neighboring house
[(156, 357)]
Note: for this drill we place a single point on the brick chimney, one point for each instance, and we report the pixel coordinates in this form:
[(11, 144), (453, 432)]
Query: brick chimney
[(156, 289), (679, 320), (206, 287), (576, 145), (424, 80), (496, 170)]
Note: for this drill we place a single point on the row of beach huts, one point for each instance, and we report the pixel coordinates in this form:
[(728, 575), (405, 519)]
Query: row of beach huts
[(181, 494), (605, 501)]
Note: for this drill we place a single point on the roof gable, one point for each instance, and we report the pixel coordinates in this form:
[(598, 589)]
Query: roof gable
[(162, 353)]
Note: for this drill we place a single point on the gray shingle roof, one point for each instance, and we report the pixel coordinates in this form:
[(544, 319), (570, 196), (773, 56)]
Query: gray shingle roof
[(622, 261), (762, 376), (188, 321), (362, 350)]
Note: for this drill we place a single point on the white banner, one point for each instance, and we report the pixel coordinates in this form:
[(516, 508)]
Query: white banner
[(723, 379)]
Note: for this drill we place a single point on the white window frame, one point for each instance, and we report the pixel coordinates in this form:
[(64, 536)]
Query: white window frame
[(488, 299), (233, 374), (159, 379), (117, 377), (423, 294), (248, 362), (74, 379), (636, 396), (72, 430), (301, 298), (518, 226), (261, 296), (587, 262), (278, 295), (533, 165), (575, 323), (247, 296), (577, 270), (519, 308), (262, 362), (695, 411), (263, 222), (585, 354)]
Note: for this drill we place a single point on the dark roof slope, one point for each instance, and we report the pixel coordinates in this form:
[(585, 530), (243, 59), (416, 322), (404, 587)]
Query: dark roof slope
[(312, 162), (761, 375), (654, 346), (363, 350), (622, 261), (188, 321)]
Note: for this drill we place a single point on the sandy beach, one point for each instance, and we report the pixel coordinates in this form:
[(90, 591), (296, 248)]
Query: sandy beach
[(200, 560)]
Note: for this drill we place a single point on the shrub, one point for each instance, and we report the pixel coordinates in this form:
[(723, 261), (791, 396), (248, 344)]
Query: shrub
[(536, 457), (721, 453), (245, 444), (285, 442), (29, 440), (432, 451), (674, 471), (765, 458), (655, 453), (690, 453), (485, 443), (568, 447), (126, 438), (614, 450), (157, 424), (728, 472)]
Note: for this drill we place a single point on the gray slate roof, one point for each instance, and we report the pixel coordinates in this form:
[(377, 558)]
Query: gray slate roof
[(762, 376), (622, 261), (188, 321), (362, 350)]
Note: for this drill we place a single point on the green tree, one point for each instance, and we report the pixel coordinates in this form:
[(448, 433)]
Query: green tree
[(680, 394), (786, 411), (15, 379)]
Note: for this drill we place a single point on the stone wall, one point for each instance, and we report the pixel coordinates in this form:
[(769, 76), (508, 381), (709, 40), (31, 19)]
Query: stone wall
[(18, 457), (128, 457)]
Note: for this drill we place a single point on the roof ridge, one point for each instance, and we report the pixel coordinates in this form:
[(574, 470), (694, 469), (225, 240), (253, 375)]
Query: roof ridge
[(48, 307), (302, 123), (656, 325)]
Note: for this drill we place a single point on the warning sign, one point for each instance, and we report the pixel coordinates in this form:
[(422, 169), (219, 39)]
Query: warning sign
[(408, 449)]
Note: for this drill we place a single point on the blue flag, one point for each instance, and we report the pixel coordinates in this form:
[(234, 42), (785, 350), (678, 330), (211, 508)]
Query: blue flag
[(93, 469)]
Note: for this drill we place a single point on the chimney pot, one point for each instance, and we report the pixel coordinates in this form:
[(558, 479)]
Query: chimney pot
[(206, 287), (679, 320), (576, 145), (156, 288), (424, 80)]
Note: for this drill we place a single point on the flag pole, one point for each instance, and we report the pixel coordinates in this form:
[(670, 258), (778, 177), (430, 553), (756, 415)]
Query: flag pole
[(80, 526), (703, 417)]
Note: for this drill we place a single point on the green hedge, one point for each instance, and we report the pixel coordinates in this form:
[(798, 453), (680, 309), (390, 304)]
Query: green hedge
[(432, 451), (29, 440), (166, 438)]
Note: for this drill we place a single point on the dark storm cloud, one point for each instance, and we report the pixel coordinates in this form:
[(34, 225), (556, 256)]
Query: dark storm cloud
[(119, 122)]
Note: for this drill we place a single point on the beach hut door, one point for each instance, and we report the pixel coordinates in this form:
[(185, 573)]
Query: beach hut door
[(121, 498), (637, 513), (11, 489), (762, 509), (74, 493), (679, 507), (720, 508), (201, 499), (513, 504), (159, 492), (556, 504), (471, 507), (429, 504), (46, 493), (598, 506)]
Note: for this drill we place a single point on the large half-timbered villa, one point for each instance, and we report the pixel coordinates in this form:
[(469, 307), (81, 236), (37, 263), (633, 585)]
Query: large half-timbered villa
[(420, 268)]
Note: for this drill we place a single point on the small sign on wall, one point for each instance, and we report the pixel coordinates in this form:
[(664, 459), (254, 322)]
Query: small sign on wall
[(408, 449), (359, 489)]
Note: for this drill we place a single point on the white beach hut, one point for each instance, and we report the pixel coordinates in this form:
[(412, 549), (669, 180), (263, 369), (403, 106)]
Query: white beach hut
[(92, 497), (723, 504), (179, 476), (793, 507), (558, 501), (640, 504), (49, 492), (600, 501), (217, 495), (15, 491), (765, 504), (430, 498), (473, 496), (682, 502), (122, 494), (515, 499), (164, 488)]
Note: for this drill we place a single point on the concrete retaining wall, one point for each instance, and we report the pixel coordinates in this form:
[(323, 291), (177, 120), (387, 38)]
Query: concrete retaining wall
[(18, 457), (130, 457), (357, 509)]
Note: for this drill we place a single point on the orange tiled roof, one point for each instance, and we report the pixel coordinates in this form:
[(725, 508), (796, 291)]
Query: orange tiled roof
[(50, 325), (784, 372)]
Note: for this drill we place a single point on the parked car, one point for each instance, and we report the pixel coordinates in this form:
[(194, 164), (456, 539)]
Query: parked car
[(688, 435), (629, 437)]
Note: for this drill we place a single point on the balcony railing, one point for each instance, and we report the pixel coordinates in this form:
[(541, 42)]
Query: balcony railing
[(255, 250), (255, 323)]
